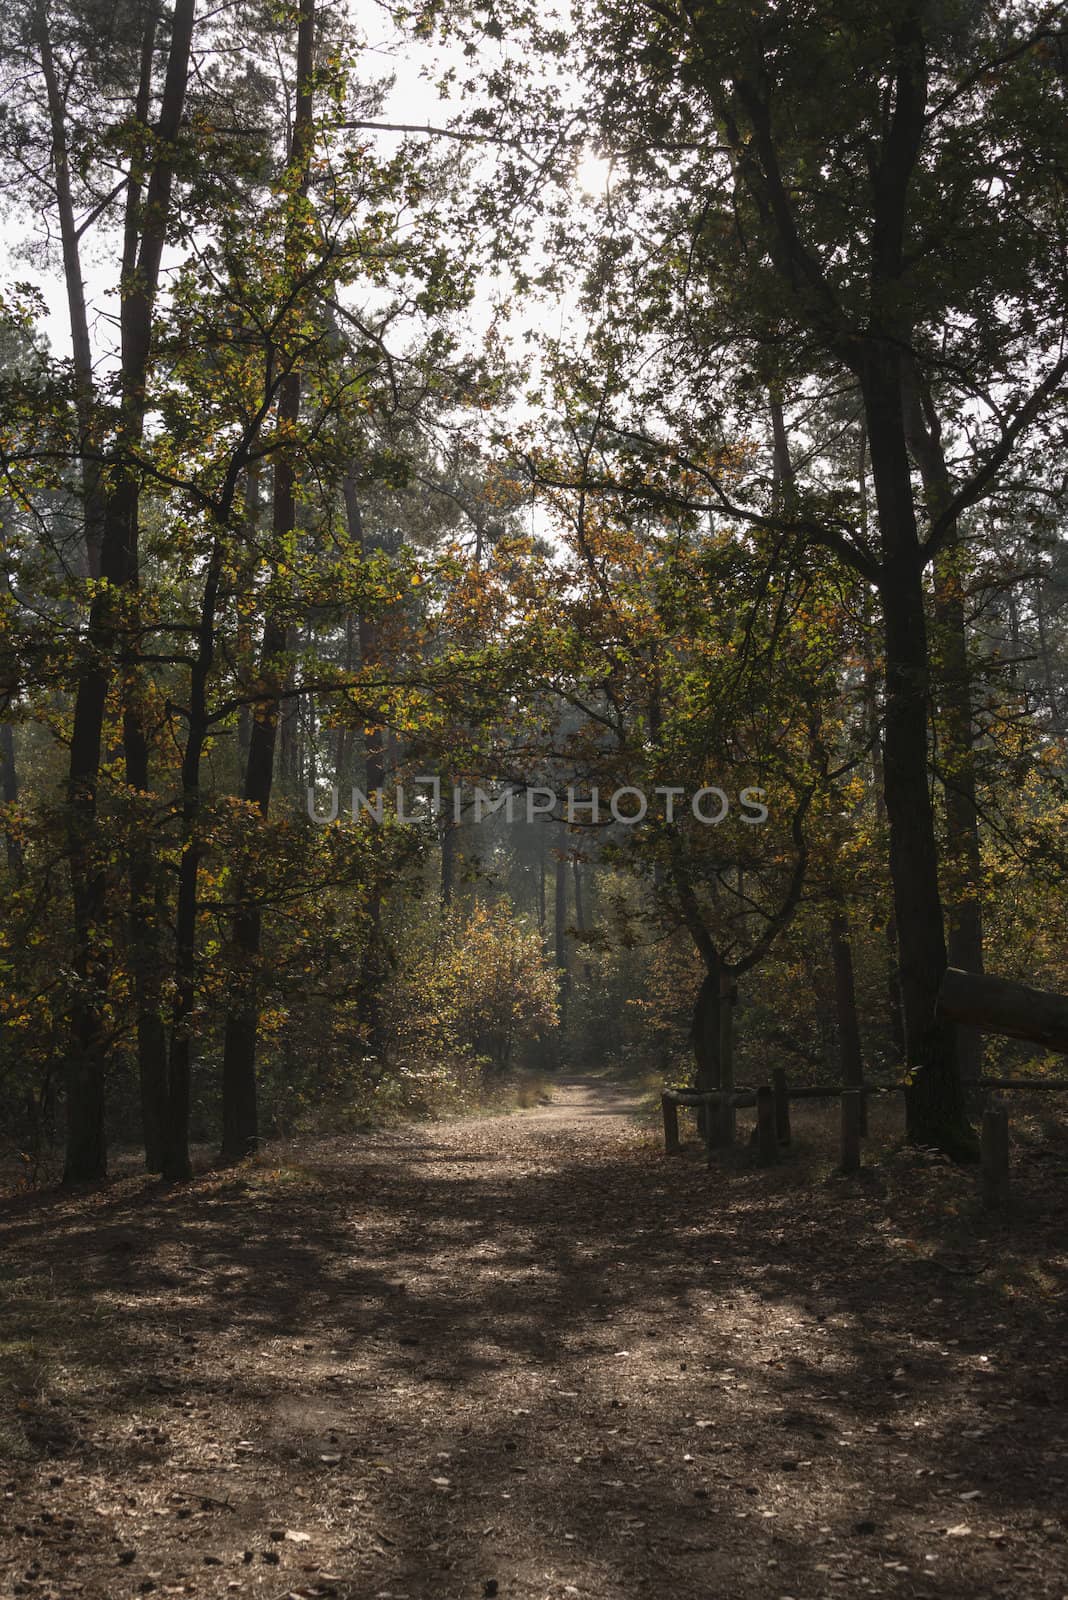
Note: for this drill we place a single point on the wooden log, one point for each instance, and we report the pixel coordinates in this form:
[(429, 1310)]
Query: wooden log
[(767, 1141), (995, 1157), (670, 1109), (998, 1006), (782, 1104), (851, 1119)]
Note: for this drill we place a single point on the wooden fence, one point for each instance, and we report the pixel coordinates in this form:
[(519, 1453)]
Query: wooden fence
[(772, 1132)]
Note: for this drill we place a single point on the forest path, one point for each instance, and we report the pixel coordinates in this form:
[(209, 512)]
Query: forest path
[(529, 1356), (575, 1103)]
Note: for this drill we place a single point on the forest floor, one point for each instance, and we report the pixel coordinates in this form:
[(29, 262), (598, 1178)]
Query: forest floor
[(531, 1356)]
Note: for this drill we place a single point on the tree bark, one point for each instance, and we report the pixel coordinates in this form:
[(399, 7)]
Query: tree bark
[(1052, 696), (81, 344), (343, 752), (240, 1132), (176, 1163), (934, 1098), (895, 1029), (449, 843), (563, 969), (9, 789), (850, 1055), (872, 351), (374, 967), (580, 911), (728, 999), (1014, 1009), (704, 1032), (542, 909), (107, 634), (705, 1037), (954, 713)]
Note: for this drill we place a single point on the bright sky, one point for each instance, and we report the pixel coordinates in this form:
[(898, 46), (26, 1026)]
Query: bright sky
[(414, 99)]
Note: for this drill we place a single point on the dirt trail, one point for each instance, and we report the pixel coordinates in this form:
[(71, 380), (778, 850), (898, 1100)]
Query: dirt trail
[(530, 1356)]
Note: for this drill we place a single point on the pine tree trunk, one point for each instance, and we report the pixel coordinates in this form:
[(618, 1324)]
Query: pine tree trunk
[(176, 1163), (86, 1150), (374, 967), (70, 242), (240, 1131)]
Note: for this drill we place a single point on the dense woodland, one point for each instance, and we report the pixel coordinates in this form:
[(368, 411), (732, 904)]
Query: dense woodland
[(681, 407)]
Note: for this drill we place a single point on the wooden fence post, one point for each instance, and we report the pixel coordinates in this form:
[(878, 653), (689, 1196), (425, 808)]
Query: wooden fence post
[(995, 1157), (782, 1104), (767, 1142), (851, 1112), (671, 1125)]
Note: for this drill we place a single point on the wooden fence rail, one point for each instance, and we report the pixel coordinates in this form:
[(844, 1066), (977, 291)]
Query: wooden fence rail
[(975, 999), (772, 1130)]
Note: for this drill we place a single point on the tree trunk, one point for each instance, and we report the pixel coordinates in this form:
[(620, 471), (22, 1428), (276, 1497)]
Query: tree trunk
[(1052, 696), (850, 1056), (542, 909), (86, 1151), (374, 967), (240, 1132), (289, 752), (449, 843), (895, 1029), (81, 344), (934, 1097), (563, 970), (728, 998), (705, 1039), (957, 763), (176, 1164), (894, 1024), (704, 1033), (580, 911), (150, 1030), (1014, 1009), (845, 1001), (955, 715), (9, 789), (343, 753), (245, 644)]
